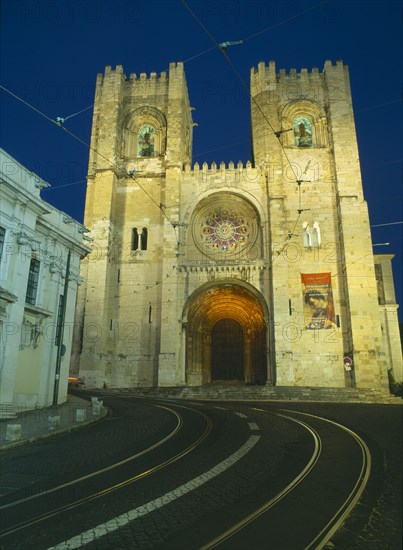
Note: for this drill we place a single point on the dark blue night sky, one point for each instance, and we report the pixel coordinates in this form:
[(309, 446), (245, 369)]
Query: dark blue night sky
[(53, 50)]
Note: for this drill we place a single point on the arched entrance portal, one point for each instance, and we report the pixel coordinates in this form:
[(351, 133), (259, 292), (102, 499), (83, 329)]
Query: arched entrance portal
[(225, 335)]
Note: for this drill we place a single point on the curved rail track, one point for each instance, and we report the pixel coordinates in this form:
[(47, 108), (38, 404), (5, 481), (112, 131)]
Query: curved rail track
[(327, 523), (20, 504), (328, 480)]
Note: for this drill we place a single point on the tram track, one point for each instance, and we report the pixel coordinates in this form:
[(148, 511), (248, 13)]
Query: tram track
[(20, 503), (231, 539), (349, 503), (316, 490)]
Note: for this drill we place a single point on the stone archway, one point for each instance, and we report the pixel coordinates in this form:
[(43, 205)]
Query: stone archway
[(218, 314)]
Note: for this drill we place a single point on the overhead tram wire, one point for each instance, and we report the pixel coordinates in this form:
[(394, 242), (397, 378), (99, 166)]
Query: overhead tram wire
[(379, 105), (276, 133), (250, 37), (243, 40), (60, 125), (89, 146), (280, 23), (55, 187), (238, 75), (262, 31), (385, 224), (63, 120)]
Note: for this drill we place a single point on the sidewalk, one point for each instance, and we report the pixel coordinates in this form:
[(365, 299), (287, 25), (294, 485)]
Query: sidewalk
[(35, 424)]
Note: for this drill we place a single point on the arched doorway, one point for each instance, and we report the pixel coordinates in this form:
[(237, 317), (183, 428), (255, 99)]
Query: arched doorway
[(227, 359), (226, 334)]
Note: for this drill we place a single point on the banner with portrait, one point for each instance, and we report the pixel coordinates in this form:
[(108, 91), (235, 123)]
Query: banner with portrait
[(318, 301)]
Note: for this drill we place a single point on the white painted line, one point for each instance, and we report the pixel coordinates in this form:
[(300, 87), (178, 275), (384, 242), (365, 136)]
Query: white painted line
[(241, 415), (253, 426), (120, 521)]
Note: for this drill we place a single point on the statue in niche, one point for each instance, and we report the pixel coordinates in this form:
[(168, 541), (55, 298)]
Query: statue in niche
[(312, 237), (302, 132), (145, 144)]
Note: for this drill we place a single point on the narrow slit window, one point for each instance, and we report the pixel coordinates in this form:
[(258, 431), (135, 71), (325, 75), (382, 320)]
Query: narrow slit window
[(135, 239), (144, 238)]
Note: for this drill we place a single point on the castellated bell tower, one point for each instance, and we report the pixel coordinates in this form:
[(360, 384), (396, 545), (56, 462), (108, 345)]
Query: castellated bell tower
[(250, 273), (141, 136)]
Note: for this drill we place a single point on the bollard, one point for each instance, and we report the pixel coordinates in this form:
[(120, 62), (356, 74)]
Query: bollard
[(94, 400), (14, 432), (81, 415), (97, 407), (54, 422)]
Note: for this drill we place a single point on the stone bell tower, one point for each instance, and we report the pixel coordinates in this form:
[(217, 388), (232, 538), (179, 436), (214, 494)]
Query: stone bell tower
[(141, 136), (304, 140)]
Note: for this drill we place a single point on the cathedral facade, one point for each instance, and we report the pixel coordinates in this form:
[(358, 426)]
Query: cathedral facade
[(256, 273)]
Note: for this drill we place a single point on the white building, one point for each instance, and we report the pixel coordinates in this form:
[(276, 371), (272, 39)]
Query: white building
[(36, 240)]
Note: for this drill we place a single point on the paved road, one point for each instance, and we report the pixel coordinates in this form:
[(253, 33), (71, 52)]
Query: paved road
[(188, 472)]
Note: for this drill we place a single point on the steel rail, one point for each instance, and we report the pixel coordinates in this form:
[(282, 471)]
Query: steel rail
[(112, 488), (339, 517), (324, 536), (102, 470), (272, 502)]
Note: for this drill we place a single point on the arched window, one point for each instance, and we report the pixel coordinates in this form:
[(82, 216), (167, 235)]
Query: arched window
[(135, 239), (144, 134), (307, 122), (145, 141), (143, 238), (139, 239), (312, 236)]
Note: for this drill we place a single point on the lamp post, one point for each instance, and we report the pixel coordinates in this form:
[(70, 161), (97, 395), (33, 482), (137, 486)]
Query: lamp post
[(61, 334)]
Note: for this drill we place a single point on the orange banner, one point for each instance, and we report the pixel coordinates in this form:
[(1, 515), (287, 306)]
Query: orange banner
[(318, 301)]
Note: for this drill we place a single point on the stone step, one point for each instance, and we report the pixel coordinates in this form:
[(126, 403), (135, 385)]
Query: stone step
[(268, 393)]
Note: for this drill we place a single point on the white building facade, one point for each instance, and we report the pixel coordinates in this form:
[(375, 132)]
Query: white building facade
[(36, 243)]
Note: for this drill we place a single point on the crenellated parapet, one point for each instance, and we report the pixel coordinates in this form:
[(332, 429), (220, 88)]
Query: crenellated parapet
[(127, 111), (143, 83), (230, 174), (288, 86), (153, 84), (222, 167)]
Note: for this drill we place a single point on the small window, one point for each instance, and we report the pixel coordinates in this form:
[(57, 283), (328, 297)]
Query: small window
[(139, 240), (145, 143), (135, 239), (33, 279), (312, 237), (2, 240), (144, 238)]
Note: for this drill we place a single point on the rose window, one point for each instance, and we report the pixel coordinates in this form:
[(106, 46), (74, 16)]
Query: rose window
[(224, 230)]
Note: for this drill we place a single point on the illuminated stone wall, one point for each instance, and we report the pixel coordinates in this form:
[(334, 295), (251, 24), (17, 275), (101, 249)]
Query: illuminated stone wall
[(180, 247)]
